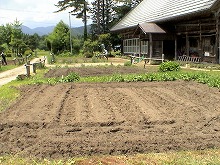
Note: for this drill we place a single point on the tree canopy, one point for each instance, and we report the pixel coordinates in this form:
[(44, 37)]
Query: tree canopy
[(78, 8), (59, 39)]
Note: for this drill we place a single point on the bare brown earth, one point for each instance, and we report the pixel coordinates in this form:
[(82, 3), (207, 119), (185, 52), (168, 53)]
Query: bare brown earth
[(98, 71), (76, 119)]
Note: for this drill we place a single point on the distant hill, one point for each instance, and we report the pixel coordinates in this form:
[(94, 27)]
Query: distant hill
[(46, 30)]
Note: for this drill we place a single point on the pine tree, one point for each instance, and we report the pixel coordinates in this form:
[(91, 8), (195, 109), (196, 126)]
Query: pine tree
[(79, 9), (102, 11)]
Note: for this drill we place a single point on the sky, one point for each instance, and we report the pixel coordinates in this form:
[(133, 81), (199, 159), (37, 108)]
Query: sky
[(34, 13)]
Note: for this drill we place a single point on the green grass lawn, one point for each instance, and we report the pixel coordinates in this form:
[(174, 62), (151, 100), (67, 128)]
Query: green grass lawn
[(202, 157), (6, 67)]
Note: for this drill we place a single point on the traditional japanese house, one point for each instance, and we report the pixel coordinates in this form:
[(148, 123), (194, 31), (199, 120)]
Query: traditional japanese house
[(175, 28)]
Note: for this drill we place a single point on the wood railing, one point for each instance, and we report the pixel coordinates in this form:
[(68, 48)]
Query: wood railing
[(189, 59)]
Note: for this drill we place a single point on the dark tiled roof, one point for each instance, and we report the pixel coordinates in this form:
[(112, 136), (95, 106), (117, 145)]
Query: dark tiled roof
[(159, 10)]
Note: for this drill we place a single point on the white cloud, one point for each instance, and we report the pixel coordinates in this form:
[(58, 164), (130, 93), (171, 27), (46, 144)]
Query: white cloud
[(34, 13)]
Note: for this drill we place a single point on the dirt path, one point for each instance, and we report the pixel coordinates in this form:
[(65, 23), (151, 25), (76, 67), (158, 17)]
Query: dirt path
[(9, 75), (72, 119)]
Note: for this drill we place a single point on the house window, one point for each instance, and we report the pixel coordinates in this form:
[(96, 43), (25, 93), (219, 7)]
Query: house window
[(144, 47), (131, 46)]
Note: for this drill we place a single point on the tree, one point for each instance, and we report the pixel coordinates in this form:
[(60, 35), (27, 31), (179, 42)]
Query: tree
[(42, 45), (32, 41), (123, 7), (5, 33), (59, 39), (131, 3), (79, 9), (102, 11), (17, 42)]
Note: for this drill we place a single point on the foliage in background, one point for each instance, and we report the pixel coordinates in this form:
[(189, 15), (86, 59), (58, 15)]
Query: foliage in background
[(14, 42), (102, 16), (79, 8), (59, 39), (90, 47)]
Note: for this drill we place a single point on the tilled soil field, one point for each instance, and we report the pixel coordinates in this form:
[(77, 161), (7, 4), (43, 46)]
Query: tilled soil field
[(76, 119), (98, 71)]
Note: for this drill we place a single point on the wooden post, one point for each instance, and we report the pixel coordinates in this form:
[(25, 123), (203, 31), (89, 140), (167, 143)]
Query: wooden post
[(176, 49), (217, 37), (200, 40), (187, 45), (151, 45), (139, 45), (145, 62), (34, 67), (28, 69)]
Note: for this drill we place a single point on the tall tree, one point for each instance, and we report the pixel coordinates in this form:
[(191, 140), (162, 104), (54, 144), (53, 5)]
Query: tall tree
[(123, 7), (5, 34), (59, 39), (17, 42), (32, 41), (79, 9), (131, 3), (102, 11)]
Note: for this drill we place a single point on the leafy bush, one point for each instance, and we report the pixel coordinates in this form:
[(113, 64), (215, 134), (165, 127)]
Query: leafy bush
[(128, 63), (169, 66), (51, 59), (28, 52), (72, 77), (89, 47)]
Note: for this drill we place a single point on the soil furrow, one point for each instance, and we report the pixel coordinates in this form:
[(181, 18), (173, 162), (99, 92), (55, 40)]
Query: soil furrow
[(111, 118)]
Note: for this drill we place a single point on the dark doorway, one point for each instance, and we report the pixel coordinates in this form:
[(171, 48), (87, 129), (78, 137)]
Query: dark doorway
[(169, 49)]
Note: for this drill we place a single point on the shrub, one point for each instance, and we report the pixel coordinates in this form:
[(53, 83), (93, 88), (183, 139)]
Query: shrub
[(169, 66), (28, 52), (51, 59), (128, 63), (72, 77), (89, 47)]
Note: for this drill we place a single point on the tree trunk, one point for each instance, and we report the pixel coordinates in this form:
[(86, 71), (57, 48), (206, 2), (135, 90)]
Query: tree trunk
[(85, 20), (98, 18)]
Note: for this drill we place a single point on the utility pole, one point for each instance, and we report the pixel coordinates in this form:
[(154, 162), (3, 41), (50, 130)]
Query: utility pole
[(71, 46)]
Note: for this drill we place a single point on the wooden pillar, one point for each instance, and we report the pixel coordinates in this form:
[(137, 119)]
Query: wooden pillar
[(28, 68), (139, 45), (176, 48), (218, 50), (151, 45), (187, 45), (218, 37), (201, 53)]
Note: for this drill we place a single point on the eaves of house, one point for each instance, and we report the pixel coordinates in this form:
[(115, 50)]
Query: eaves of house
[(156, 11)]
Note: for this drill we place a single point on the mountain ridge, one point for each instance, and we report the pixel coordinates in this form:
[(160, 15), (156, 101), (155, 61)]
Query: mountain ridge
[(76, 31)]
